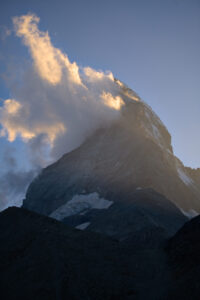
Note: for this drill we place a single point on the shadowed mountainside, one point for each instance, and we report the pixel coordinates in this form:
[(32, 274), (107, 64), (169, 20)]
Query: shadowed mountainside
[(134, 152), (41, 258), (183, 250)]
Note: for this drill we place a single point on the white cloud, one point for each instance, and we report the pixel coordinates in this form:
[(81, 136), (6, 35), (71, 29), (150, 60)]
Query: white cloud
[(4, 32), (14, 180), (57, 104), (93, 75), (112, 102), (57, 100), (49, 61)]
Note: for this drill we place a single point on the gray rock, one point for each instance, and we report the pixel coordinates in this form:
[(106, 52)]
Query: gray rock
[(134, 152)]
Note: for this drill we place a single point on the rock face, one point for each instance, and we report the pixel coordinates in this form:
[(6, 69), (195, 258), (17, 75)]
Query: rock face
[(194, 174), (148, 219), (183, 250), (134, 152), (123, 186), (42, 258)]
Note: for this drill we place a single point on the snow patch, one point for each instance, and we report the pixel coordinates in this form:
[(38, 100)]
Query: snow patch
[(169, 151), (185, 178), (83, 226), (80, 204), (127, 91), (156, 132), (152, 128), (147, 115), (190, 213), (154, 116)]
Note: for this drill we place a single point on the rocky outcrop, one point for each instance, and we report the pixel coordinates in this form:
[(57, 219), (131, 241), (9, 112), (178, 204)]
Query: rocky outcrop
[(134, 152), (148, 219), (194, 174), (42, 258), (183, 250)]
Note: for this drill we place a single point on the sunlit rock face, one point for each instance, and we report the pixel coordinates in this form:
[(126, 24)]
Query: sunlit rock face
[(134, 152)]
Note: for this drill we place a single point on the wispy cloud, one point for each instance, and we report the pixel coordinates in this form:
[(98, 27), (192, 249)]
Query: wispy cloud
[(4, 32), (13, 180), (55, 104), (57, 98)]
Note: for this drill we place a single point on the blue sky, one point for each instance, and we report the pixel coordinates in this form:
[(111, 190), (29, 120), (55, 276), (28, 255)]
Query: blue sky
[(152, 46)]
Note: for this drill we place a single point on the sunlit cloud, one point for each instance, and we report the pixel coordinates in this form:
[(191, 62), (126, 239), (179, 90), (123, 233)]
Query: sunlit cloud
[(57, 101), (93, 75), (112, 102), (11, 106), (56, 105), (49, 61), (4, 32), (11, 116)]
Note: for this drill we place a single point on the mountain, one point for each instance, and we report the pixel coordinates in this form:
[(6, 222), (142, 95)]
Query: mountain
[(148, 219), (194, 174), (42, 258), (183, 250), (127, 197), (115, 165)]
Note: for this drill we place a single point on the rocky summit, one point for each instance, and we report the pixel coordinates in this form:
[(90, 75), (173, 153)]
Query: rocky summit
[(108, 220), (134, 153)]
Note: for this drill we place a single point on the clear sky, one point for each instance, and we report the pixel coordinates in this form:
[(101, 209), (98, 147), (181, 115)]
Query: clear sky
[(151, 45)]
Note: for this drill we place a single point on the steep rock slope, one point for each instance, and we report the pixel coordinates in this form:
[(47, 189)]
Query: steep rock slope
[(133, 152), (183, 250), (194, 174), (148, 219), (42, 258)]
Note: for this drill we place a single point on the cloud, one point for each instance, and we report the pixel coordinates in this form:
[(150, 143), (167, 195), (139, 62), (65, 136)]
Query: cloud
[(56, 99), (13, 181), (13, 186), (4, 32), (49, 61), (55, 104), (113, 102)]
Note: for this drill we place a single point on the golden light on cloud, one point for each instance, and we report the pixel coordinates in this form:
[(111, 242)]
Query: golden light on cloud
[(73, 69), (63, 113), (49, 61), (97, 75), (112, 102), (43, 54), (11, 119), (12, 106)]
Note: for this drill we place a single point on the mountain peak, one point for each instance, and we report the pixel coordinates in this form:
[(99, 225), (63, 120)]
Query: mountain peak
[(133, 152)]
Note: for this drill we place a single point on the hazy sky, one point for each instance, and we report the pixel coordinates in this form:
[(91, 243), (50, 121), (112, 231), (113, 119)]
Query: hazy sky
[(152, 46)]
